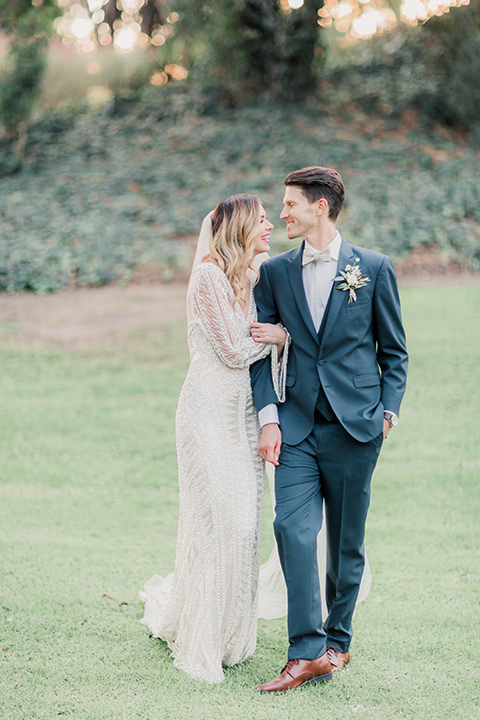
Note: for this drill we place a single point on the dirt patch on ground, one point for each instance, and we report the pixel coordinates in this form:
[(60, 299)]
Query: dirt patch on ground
[(83, 319), (428, 264)]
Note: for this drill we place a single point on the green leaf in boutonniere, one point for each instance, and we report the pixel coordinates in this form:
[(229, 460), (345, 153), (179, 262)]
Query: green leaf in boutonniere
[(352, 280)]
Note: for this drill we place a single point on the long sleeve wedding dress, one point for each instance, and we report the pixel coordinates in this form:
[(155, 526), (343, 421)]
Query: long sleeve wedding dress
[(207, 609)]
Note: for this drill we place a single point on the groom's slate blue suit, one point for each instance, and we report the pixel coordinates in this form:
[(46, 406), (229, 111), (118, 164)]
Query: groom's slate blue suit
[(339, 381)]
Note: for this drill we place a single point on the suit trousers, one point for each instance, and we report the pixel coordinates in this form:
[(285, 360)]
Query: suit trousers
[(333, 470)]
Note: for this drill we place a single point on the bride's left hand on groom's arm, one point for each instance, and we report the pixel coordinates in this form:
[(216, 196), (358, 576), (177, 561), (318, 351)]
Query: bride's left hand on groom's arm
[(268, 333)]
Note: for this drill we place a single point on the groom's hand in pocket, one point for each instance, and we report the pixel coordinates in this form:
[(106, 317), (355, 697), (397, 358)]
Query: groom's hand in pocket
[(386, 429), (270, 443)]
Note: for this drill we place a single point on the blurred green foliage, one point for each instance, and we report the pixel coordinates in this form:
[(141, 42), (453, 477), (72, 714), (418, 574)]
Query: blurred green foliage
[(236, 51), (102, 193), (28, 26), (433, 68), (451, 54), (251, 47)]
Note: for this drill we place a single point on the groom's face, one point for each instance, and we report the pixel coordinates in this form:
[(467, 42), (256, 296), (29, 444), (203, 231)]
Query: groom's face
[(298, 213)]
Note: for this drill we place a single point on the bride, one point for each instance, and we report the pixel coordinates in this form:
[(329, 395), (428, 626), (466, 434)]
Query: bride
[(207, 609)]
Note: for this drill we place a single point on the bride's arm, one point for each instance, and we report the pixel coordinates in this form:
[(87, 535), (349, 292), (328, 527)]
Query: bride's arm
[(212, 306)]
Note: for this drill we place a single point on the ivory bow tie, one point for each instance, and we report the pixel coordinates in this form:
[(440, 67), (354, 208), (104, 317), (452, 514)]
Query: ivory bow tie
[(312, 255)]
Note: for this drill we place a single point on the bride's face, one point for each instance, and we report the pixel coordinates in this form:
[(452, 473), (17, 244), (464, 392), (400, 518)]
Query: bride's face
[(261, 242)]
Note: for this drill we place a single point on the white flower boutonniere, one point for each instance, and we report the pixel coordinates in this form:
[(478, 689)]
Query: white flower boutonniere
[(353, 279)]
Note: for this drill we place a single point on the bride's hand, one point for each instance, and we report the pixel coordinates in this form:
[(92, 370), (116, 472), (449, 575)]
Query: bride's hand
[(268, 333)]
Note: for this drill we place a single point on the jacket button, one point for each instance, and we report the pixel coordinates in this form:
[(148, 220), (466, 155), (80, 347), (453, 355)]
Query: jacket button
[(316, 388), (321, 362)]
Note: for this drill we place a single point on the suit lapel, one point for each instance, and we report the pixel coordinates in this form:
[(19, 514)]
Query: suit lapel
[(294, 273), (338, 298)]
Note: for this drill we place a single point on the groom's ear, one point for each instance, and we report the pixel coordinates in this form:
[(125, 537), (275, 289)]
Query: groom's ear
[(322, 207)]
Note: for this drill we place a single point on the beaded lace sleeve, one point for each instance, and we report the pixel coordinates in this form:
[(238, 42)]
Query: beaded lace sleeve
[(211, 300), (279, 368)]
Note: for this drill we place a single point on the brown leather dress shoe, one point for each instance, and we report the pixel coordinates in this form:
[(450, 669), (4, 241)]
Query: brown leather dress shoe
[(338, 660), (297, 673)]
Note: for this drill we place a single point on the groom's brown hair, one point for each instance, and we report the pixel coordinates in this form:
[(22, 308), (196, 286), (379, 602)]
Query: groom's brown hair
[(317, 182)]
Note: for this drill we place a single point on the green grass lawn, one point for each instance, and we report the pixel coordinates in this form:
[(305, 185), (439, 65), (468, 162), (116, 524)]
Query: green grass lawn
[(88, 512)]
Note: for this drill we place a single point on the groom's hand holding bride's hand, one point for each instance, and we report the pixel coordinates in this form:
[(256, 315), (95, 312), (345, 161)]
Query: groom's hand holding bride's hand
[(270, 443)]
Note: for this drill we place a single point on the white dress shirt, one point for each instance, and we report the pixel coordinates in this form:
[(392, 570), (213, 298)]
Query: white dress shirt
[(318, 277), (318, 280)]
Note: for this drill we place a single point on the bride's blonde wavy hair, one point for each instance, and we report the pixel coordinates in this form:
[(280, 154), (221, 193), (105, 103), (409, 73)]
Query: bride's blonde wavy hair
[(234, 228)]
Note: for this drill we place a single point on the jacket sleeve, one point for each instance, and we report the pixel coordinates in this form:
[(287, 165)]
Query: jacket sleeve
[(392, 354), (261, 371), (212, 306)]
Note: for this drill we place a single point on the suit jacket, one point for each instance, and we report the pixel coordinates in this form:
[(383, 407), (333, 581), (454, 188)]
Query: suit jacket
[(359, 356)]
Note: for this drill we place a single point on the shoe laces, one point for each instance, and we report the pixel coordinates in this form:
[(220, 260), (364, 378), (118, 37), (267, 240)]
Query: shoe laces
[(289, 665), (333, 654)]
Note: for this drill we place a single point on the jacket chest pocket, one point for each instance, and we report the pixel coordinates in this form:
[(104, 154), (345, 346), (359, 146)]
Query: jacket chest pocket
[(357, 304)]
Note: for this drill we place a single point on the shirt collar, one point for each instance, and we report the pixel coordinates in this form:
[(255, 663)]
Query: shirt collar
[(334, 246)]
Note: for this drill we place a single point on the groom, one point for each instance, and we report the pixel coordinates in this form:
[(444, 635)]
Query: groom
[(345, 382)]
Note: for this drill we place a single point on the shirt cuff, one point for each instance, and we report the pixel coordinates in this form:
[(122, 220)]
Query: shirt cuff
[(268, 414)]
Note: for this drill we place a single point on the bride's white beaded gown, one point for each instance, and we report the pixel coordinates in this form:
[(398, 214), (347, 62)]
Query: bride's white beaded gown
[(207, 609)]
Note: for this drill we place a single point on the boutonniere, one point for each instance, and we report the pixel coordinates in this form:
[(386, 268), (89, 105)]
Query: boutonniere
[(352, 280)]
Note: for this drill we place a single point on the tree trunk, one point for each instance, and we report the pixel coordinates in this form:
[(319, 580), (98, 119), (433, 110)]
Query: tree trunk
[(301, 45), (259, 22), (153, 13)]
